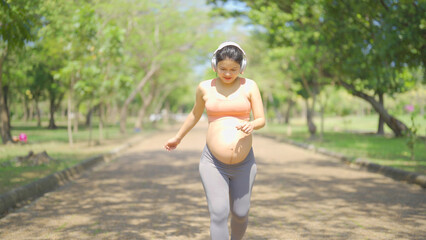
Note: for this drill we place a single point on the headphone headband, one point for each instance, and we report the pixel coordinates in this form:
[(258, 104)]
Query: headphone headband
[(224, 44)]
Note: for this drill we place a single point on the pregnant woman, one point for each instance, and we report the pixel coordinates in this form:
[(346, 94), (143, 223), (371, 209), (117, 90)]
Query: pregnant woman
[(227, 166)]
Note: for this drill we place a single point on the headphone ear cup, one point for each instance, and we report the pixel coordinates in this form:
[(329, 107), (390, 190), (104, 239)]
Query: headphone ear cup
[(214, 63), (243, 65)]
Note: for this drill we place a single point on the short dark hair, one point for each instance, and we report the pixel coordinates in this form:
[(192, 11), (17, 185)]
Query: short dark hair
[(231, 52)]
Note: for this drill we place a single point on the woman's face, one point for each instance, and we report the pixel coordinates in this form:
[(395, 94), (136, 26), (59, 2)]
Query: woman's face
[(228, 70)]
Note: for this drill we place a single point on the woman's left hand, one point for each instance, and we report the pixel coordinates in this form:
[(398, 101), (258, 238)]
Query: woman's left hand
[(246, 127)]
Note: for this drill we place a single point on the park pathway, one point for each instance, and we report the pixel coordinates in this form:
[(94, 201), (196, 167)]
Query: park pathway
[(148, 193)]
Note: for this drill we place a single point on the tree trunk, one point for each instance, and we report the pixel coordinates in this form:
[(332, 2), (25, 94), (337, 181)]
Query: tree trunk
[(31, 113), (309, 118), (6, 136), (4, 118), (141, 116), (38, 114), (8, 101), (76, 115), (53, 106), (114, 114), (322, 122), (101, 122), (52, 109), (90, 123), (123, 119), (107, 111), (70, 114), (397, 126), (323, 106), (277, 112), (288, 111), (89, 117), (131, 97), (146, 101), (310, 110), (7, 104), (26, 109), (380, 128)]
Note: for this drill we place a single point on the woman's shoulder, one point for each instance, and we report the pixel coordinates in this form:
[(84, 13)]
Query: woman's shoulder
[(206, 84), (249, 83)]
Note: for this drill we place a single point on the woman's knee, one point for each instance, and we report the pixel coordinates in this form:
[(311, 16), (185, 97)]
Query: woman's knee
[(240, 213), (219, 212)]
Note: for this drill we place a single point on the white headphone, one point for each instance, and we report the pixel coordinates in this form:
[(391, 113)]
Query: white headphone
[(243, 62)]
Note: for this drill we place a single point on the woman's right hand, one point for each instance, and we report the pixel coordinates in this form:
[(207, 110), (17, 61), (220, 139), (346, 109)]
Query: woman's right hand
[(172, 143)]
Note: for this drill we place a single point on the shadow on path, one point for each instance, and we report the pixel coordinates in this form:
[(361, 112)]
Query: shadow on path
[(146, 195), (153, 194)]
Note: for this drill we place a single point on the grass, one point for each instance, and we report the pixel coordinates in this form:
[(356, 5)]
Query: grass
[(365, 123), (55, 143), (385, 150)]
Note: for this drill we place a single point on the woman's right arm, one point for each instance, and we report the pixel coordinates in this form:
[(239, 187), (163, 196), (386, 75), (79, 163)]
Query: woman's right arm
[(192, 119)]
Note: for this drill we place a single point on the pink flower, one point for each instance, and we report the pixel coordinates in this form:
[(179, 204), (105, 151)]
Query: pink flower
[(409, 108), (23, 137)]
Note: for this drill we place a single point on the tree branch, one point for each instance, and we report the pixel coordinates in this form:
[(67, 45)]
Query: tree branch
[(384, 5), (154, 67)]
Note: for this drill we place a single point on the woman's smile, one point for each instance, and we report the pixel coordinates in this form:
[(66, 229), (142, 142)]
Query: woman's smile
[(228, 70)]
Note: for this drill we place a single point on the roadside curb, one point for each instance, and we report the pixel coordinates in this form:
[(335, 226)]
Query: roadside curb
[(24, 194), (396, 174)]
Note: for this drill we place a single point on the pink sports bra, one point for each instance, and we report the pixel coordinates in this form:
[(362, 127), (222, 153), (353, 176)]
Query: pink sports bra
[(238, 107)]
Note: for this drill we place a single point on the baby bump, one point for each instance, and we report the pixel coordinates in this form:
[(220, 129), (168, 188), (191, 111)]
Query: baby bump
[(228, 144)]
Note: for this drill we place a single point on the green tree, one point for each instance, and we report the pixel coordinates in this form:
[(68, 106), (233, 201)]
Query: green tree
[(17, 88), (371, 42), (268, 67), (295, 25), (155, 38), (50, 51), (40, 79), (79, 25), (109, 54), (363, 45), (17, 19)]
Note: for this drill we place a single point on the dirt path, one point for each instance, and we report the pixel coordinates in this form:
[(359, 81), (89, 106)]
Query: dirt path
[(149, 193)]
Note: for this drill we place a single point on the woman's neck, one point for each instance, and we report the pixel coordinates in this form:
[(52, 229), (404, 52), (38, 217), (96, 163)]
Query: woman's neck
[(228, 85)]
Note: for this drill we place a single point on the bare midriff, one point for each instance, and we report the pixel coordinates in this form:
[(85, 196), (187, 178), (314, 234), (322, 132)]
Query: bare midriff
[(228, 144)]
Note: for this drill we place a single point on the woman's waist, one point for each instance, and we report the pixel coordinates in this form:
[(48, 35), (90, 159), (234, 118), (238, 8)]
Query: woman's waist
[(228, 120), (209, 152)]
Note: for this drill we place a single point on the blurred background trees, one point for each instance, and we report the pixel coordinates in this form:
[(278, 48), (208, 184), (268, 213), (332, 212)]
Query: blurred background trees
[(134, 62), (373, 49)]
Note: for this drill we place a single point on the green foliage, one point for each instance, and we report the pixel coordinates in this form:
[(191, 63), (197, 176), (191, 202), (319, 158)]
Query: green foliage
[(374, 47), (380, 38), (296, 47), (98, 51), (17, 20)]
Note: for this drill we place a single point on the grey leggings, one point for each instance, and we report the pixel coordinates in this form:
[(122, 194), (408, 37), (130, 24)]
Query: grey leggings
[(227, 187)]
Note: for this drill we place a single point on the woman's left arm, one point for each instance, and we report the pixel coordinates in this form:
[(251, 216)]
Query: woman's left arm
[(259, 120), (257, 107)]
